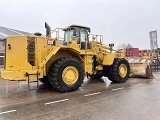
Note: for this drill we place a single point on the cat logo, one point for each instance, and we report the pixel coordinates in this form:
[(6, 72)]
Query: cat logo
[(50, 42)]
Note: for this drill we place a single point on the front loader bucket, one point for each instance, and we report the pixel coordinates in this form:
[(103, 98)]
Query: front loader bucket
[(140, 67)]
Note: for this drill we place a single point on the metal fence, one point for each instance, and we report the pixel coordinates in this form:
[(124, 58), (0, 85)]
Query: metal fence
[(155, 67), (1, 60)]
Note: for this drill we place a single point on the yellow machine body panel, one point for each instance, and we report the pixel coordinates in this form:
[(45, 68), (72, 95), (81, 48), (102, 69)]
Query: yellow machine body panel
[(109, 58), (88, 66), (20, 74), (16, 54), (27, 54)]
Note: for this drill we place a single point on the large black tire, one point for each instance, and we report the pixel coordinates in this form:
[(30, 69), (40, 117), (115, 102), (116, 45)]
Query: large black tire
[(66, 66), (45, 81), (114, 72)]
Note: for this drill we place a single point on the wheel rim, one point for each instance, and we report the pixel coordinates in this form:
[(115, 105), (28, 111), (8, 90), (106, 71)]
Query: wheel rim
[(122, 70), (70, 75)]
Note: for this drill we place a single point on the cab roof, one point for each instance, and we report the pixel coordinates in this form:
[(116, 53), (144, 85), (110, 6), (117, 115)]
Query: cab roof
[(74, 25)]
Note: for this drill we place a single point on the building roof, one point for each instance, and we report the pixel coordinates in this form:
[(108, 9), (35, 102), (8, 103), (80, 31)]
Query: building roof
[(4, 32)]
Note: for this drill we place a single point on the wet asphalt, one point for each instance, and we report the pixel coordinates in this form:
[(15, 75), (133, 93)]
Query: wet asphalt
[(137, 99)]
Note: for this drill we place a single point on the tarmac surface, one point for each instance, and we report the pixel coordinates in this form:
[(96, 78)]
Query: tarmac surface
[(137, 99)]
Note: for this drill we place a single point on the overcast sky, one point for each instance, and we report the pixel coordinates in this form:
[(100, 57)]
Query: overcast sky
[(119, 21)]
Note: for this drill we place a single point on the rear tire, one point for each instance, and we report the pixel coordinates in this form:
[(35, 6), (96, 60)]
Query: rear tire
[(66, 75), (119, 72)]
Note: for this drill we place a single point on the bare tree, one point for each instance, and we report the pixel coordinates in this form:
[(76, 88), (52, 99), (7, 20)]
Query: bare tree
[(129, 46), (124, 46)]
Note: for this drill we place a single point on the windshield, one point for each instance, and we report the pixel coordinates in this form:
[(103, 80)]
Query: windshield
[(79, 33)]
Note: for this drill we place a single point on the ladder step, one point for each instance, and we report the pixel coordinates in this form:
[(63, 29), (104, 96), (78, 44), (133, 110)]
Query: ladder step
[(28, 74)]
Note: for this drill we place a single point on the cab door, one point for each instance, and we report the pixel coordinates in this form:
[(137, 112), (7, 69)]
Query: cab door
[(84, 39)]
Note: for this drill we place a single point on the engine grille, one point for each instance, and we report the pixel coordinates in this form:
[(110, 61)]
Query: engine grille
[(31, 51)]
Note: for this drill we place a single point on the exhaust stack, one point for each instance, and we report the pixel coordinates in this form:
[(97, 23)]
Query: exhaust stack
[(48, 30)]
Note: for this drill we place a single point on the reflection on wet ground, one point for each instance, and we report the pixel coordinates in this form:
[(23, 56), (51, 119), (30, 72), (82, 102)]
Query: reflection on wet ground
[(92, 81), (16, 95), (13, 91)]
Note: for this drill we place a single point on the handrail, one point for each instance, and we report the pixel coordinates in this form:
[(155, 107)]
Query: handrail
[(95, 37), (56, 31)]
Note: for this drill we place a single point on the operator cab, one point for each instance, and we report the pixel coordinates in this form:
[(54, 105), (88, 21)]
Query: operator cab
[(81, 34)]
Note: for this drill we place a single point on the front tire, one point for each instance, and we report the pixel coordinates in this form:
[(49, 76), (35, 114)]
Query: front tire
[(119, 72), (66, 75)]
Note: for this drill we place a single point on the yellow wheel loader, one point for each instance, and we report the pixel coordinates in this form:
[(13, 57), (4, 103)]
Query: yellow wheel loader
[(63, 62)]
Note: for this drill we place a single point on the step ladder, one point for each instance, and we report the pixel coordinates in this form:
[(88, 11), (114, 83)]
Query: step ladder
[(29, 81)]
